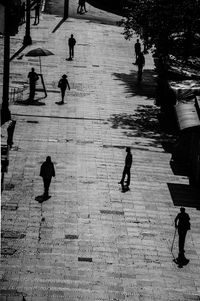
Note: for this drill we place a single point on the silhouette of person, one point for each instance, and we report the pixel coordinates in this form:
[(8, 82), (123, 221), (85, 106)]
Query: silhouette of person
[(71, 44), (47, 171), (82, 7), (22, 13), (182, 222), (137, 50), (127, 169), (63, 84), (37, 12), (140, 63), (33, 77)]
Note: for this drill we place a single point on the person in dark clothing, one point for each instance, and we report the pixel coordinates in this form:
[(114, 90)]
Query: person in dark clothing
[(22, 12), (71, 44), (37, 12), (33, 77), (137, 50), (47, 171), (127, 169), (63, 84), (182, 223), (81, 7), (140, 63)]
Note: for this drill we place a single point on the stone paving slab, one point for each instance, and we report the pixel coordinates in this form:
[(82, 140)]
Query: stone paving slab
[(89, 241)]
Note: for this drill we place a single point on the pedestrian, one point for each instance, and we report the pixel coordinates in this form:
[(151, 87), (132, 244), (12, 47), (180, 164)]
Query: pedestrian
[(63, 84), (22, 12), (33, 77), (37, 12), (137, 50), (182, 223), (47, 171), (127, 169), (81, 7), (71, 44), (140, 64)]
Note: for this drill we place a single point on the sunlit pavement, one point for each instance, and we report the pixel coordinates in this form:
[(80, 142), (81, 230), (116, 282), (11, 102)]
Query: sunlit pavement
[(90, 241)]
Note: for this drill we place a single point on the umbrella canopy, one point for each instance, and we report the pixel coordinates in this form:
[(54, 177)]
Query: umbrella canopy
[(39, 52)]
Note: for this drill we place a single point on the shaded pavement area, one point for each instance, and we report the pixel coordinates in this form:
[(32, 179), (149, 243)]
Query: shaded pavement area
[(89, 241)]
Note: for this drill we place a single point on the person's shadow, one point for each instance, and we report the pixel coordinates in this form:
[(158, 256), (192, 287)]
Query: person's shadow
[(42, 198), (28, 102), (181, 262), (59, 103)]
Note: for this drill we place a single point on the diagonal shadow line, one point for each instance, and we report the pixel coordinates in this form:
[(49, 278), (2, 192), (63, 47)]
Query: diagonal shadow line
[(58, 25), (184, 195), (18, 52)]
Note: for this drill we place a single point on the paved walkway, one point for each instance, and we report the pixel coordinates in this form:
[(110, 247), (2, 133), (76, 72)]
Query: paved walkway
[(90, 241)]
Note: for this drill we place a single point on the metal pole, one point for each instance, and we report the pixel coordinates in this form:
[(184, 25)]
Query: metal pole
[(27, 38), (66, 9), (173, 240), (6, 71), (40, 65)]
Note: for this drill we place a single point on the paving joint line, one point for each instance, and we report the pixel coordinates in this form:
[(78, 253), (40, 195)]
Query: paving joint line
[(59, 117)]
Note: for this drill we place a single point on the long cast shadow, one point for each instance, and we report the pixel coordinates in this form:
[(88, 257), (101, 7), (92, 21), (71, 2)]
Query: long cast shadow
[(58, 25), (41, 198), (17, 53), (184, 195)]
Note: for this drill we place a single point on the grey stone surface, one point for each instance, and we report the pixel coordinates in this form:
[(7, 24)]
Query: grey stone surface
[(127, 235)]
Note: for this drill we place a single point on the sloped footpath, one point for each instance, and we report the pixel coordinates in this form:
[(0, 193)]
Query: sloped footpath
[(90, 241)]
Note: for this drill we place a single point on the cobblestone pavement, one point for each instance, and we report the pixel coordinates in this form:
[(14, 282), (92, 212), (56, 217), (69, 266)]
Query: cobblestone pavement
[(90, 241)]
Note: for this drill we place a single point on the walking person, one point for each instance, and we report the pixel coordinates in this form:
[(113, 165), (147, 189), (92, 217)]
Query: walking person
[(127, 169), (33, 78), (71, 44), (81, 7), (22, 13), (137, 50), (47, 171), (37, 12), (182, 223), (140, 64), (63, 84)]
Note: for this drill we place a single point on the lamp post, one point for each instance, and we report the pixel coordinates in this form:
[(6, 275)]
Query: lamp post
[(66, 9), (5, 112), (27, 38)]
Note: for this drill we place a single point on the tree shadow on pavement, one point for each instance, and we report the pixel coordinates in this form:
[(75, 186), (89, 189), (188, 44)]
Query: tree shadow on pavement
[(113, 7), (184, 195), (144, 124), (146, 87)]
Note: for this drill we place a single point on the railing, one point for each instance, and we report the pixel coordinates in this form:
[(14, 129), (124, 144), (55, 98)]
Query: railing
[(16, 94)]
